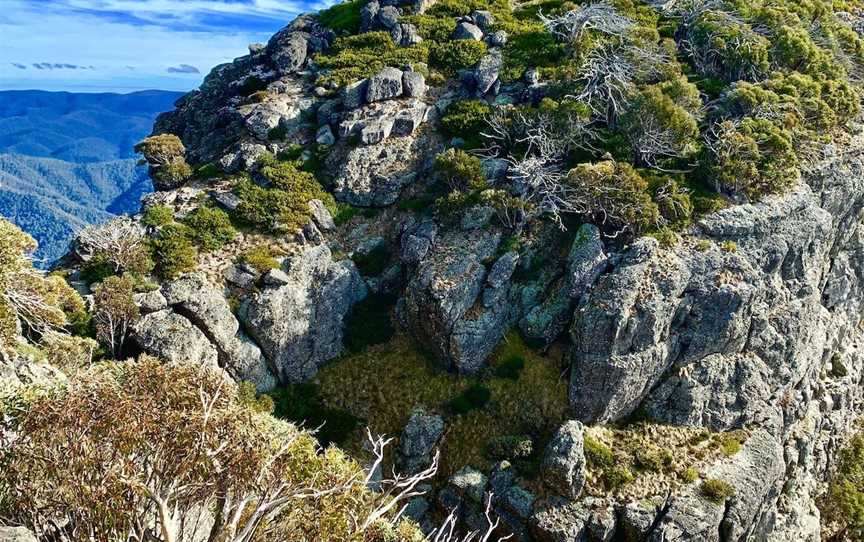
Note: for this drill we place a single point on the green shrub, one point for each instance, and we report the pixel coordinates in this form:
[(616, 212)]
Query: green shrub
[(464, 117), (172, 174), (96, 269), (617, 476), (174, 251), (260, 257), (450, 56), (689, 475), (510, 367), (460, 170), (369, 323), (157, 216), (616, 194), (209, 227), (207, 171), (354, 57), (373, 262), (652, 459), (845, 499), (717, 491), (249, 398), (530, 46), (510, 447), (344, 17), (474, 397), (284, 206)]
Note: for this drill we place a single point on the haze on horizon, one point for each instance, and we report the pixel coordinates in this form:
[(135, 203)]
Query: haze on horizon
[(130, 45)]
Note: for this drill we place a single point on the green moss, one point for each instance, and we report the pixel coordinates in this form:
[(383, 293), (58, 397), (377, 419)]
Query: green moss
[(598, 454), (383, 384), (261, 257), (689, 475), (510, 447), (717, 491), (451, 56)]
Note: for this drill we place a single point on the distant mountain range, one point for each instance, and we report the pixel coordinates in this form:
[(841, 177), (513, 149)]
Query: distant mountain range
[(66, 159)]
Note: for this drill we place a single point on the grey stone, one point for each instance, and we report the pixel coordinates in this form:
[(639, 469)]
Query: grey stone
[(564, 460), (288, 51), (324, 136), (299, 324), (414, 84), (151, 301), (502, 269), (417, 241), (440, 293), (321, 215), (518, 502), (227, 200), (470, 484), (477, 217), (276, 277), (467, 31), (384, 85), (418, 441), (483, 19), (388, 17), (558, 520), (354, 94), (405, 34), (239, 277), (205, 307), (501, 477), (171, 337), (487, 70), (497, 38), (586, 261), (369, 16), (635, 520)]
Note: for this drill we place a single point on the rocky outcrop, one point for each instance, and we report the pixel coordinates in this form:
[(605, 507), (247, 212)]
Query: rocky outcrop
[(16, 534), (747, 334), (192, 322), (298, 320), (448, 304)]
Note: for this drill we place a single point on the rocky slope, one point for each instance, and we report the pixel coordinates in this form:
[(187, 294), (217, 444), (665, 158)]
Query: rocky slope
[(752, 322)]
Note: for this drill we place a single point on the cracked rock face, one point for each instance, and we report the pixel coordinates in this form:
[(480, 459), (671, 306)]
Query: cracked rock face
[(197, 325), (298, 321)]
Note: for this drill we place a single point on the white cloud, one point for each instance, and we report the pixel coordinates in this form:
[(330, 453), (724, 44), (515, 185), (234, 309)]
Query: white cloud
[(113, 43)]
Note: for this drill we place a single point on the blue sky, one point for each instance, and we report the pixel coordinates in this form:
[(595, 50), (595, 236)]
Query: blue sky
[(128, 45)]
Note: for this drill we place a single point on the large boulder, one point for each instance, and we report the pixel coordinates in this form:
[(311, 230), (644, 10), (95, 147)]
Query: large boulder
[(288, 51), (201, 303), (448, 305), (418, 441), (173, 338), (564, 460), (467, 31), (298, 322), (384, 85), (487, 70)]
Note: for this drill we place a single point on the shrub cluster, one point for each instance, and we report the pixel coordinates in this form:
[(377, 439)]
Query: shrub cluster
[(283, 205)]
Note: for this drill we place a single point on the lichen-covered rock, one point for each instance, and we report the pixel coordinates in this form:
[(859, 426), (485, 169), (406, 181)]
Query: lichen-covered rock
[(418, 441), (414, 84), (441, 301), (288, 50), (486, 72), (416, 240), (299, 324), (467, 31), (384, 85), (558, 520), (173, 338), (373, 175), (205, 306), (564, 460), (16, 534)]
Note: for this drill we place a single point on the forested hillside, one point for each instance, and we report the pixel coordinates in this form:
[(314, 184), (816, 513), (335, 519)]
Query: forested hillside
[(67, 160)]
